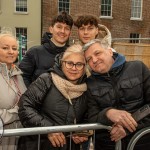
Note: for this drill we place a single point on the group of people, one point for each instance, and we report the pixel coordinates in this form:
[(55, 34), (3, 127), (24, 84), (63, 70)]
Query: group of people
[(50, 88)]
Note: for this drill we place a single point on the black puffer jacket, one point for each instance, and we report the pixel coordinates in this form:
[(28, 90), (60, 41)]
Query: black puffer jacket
[(43, 105), (125, 87), (39, 59)]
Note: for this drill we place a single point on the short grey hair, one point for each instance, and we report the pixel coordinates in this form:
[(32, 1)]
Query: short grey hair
[(102, 42), (75, 48)]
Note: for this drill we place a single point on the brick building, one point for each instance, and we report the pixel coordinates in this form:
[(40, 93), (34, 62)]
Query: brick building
[(125, 19)]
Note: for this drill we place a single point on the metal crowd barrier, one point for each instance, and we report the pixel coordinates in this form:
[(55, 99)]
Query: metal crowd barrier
[(137, 136), (53, 129)]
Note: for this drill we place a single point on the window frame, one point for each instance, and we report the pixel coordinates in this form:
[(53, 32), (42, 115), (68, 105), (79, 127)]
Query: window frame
[(21, 12), (68, 11), (132, 40), (104, 16), (26, 45), (133, 10)]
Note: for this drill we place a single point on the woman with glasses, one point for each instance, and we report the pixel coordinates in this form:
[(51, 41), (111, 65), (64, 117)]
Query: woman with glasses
[(11, 88), (56, 98)]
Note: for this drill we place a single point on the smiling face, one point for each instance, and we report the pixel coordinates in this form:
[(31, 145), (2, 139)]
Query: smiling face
[(99, 59), (60, 32), (87, 33), (73, 74), (8, 50)]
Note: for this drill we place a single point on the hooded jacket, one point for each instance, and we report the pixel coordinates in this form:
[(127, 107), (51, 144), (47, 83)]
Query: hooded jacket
[(43, 105), (10, 82), (39, 59), (125, 87)]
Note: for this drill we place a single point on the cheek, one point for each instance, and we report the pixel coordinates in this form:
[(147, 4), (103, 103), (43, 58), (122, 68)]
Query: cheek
[(81, 73), (16, 54), (90, 64), (80, 35), (2, 55)]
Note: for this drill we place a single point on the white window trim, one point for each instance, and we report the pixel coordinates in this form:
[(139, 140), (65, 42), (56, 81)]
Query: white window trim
[(108, 17), (20, 12), (135, 18)]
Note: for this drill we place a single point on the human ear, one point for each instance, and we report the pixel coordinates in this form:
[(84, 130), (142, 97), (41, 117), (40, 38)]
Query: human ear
[(110, 51), (51, 29)]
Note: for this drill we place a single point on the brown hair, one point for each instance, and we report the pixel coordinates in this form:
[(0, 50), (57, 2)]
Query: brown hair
[(85, 20), (63, 17)]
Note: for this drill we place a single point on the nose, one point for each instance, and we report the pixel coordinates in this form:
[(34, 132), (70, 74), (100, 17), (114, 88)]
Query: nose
[(74, 67), (11, 51), (63, 30), (94, 59), (85, 31)]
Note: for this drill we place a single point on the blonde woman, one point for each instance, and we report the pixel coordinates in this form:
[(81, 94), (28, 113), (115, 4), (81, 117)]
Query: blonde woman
[(11, 87), (56, 98)]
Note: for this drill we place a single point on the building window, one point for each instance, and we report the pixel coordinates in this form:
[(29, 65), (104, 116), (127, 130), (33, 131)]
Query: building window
[(21, 34), (64, 5), (21, 5), (134, 38), (106, 8), (136, 9)]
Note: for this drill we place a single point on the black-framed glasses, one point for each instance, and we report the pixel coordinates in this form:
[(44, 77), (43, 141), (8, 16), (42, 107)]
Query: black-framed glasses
[(70, 64)]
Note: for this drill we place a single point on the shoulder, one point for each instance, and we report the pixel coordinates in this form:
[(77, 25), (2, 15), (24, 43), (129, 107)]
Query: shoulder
[(45, 79), (135, 65), (35, 49)]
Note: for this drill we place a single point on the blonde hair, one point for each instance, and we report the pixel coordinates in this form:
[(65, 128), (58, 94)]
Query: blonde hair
[(75, 48), (5, 32)]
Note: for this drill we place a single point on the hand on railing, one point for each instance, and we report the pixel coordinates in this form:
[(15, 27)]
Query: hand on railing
[(117, 133), (57, 139), (122, 118), (79, 139)]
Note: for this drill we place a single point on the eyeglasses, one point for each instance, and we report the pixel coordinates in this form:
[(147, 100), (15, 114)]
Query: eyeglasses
[(70, 64)]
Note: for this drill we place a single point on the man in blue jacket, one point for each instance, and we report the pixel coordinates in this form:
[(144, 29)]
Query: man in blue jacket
[(116, 90)]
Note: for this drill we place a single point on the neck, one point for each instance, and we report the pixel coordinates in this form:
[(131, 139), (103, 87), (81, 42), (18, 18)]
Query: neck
[(57, 44)]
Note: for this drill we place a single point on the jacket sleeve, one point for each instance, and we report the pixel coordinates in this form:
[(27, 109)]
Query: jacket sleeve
[(31, 102), (10, 115), (27, 66), (145, 122)]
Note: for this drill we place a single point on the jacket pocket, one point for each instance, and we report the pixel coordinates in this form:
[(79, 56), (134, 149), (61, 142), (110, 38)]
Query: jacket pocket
[(132, 89), (102, 96)]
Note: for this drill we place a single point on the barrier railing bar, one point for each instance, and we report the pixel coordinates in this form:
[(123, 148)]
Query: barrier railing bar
[(136, 137), (53, 129), (45, 130)]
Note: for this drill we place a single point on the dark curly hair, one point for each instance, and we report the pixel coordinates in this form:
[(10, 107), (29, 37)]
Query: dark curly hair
[(85, 20), (63, 17)]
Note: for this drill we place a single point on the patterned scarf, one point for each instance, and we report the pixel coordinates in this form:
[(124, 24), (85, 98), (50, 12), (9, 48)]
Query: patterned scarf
[(68, 89)]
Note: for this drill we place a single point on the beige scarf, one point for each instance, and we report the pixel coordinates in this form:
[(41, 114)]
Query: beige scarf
[(68, 89)]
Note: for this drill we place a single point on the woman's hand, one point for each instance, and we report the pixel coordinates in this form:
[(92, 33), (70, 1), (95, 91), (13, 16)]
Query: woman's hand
[(79, 139), (57, 139)]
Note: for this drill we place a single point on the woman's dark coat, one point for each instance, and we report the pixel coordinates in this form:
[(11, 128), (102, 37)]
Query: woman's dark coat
[(43, 105)]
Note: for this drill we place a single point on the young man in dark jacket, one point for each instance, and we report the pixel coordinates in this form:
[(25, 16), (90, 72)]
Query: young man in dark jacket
[(116, 89), (39, 59)]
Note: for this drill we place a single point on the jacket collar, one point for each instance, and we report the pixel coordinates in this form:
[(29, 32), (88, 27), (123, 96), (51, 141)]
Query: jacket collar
[(9, 73)]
